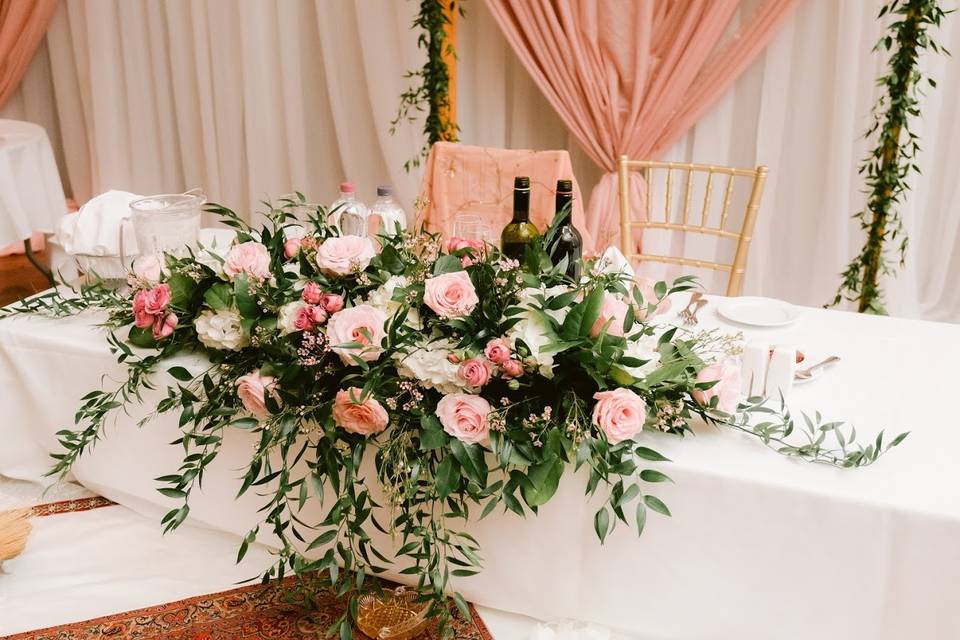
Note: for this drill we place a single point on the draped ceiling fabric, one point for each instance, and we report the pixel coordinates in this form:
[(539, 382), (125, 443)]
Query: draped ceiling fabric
[(630, 78), (22, 27)]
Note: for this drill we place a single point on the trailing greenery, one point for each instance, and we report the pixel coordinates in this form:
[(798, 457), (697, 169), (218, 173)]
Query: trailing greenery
[(888, 166), (430, 91)]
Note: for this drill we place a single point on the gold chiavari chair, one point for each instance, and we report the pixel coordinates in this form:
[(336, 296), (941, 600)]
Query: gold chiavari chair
[(675, 172)]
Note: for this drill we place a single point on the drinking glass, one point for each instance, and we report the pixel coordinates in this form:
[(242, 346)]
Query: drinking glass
[(167, 223), (469, 226)]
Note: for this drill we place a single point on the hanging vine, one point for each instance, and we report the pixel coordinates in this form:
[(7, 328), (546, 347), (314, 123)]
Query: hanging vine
[(888, 166), (430, 90)]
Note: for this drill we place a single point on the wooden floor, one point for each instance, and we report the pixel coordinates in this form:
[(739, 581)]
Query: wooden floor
[(18, 278)]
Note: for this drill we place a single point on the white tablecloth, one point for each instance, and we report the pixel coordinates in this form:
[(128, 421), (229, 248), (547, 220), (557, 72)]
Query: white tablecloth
[(759, 546), (31, 195)]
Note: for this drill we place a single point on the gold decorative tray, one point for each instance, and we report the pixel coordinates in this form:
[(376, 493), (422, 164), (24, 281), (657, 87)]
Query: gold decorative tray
[(392, 615)]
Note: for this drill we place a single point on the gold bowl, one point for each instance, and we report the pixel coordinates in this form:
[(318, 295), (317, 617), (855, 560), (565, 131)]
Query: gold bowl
[(393, 615)]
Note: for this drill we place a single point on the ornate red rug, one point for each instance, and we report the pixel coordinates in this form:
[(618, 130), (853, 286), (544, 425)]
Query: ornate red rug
[(260, 612)]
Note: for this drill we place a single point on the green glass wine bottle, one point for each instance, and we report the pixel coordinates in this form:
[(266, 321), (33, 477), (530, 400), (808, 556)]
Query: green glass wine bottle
[(519, 232)]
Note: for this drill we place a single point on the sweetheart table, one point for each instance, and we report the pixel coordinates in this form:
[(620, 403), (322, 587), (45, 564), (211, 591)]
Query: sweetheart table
[(758, 547)]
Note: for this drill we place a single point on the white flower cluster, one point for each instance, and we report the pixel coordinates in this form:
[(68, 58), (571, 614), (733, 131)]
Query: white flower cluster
[(221, 330), (533, 330), (429, 365)]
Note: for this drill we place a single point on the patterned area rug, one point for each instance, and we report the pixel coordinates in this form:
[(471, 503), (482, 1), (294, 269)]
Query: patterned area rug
[(248, 613)]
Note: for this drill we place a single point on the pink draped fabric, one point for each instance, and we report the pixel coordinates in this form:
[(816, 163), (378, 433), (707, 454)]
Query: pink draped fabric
[(23, 23), (632, 77), (464, 179)]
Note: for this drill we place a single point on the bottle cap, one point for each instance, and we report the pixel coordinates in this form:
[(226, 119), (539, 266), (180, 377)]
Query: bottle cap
[(565, 186), (347, 187), (521, 182), (384, 190)]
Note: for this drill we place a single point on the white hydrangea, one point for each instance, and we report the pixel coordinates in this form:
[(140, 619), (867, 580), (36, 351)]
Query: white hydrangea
[(643, 349), (533, 329), (382, 298), (429, 365), (221, 330)]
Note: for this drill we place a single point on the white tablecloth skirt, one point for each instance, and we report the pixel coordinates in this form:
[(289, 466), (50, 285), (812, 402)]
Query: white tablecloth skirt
[(759, 546)]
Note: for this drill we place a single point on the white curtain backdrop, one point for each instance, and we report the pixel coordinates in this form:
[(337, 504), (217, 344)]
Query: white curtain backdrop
[(250, 99)]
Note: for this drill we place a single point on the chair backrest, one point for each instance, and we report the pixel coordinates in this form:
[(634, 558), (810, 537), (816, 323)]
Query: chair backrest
[(678, 184), (462, 179)]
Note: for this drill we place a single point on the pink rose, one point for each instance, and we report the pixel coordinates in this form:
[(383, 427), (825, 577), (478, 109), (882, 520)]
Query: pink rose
[(646, 287), (291, 248), (613, 310), (312, 293), (251, 258), (464, 416), (331, 302), (318, 314), (475, 372), (362, 324), (148, 269), (303, 320), (366, 418), (498, 351), (512, 368), (252, 389), (163, 327), (344, 255), (149, 304), (476, 249), (727, 389), (620, 414), (450, 295)]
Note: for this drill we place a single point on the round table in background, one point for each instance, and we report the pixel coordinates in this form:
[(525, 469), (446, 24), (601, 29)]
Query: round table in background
[(31, 194)]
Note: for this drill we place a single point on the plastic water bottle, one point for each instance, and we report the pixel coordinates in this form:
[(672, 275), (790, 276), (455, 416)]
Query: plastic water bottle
[(348, 213), (390, 216)]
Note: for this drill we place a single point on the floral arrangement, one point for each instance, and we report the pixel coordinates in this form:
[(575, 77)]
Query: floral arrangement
[(473, 382)]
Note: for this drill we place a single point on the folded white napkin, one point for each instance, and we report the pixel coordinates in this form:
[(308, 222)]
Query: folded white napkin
[(95, 229), (613, 261)]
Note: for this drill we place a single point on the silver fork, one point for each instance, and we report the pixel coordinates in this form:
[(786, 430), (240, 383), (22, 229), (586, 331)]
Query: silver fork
[(806, 374), (689, 314)]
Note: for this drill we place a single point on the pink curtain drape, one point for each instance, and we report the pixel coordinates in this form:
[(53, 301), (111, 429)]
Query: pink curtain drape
[(23, 23), (632, 77)]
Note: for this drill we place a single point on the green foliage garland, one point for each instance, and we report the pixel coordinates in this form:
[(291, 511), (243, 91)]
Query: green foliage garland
[(431, 89), (888, 165)]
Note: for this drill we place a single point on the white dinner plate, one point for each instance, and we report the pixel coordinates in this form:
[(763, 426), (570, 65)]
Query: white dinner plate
[(758, 312)]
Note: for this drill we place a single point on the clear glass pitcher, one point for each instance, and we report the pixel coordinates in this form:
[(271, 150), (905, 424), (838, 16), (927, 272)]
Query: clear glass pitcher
[(167, 223)]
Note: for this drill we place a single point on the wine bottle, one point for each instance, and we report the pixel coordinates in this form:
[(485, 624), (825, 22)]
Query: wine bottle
[(520, 232), (565, 241)]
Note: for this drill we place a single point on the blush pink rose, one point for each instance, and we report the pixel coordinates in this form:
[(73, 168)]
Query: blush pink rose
[(450, 295), (291, 248), (362, 324), (312, 293), (476, 249), (512, 368), (252, 390), (163, 327), (464, 416), (647, 290), (250, 258), (141, 318), (366, 418), (318, 314), (475, 372), (498, 351), (620, 414), (331, 302), (613, 310), (727, 389), (148, 269), (344, 255)]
